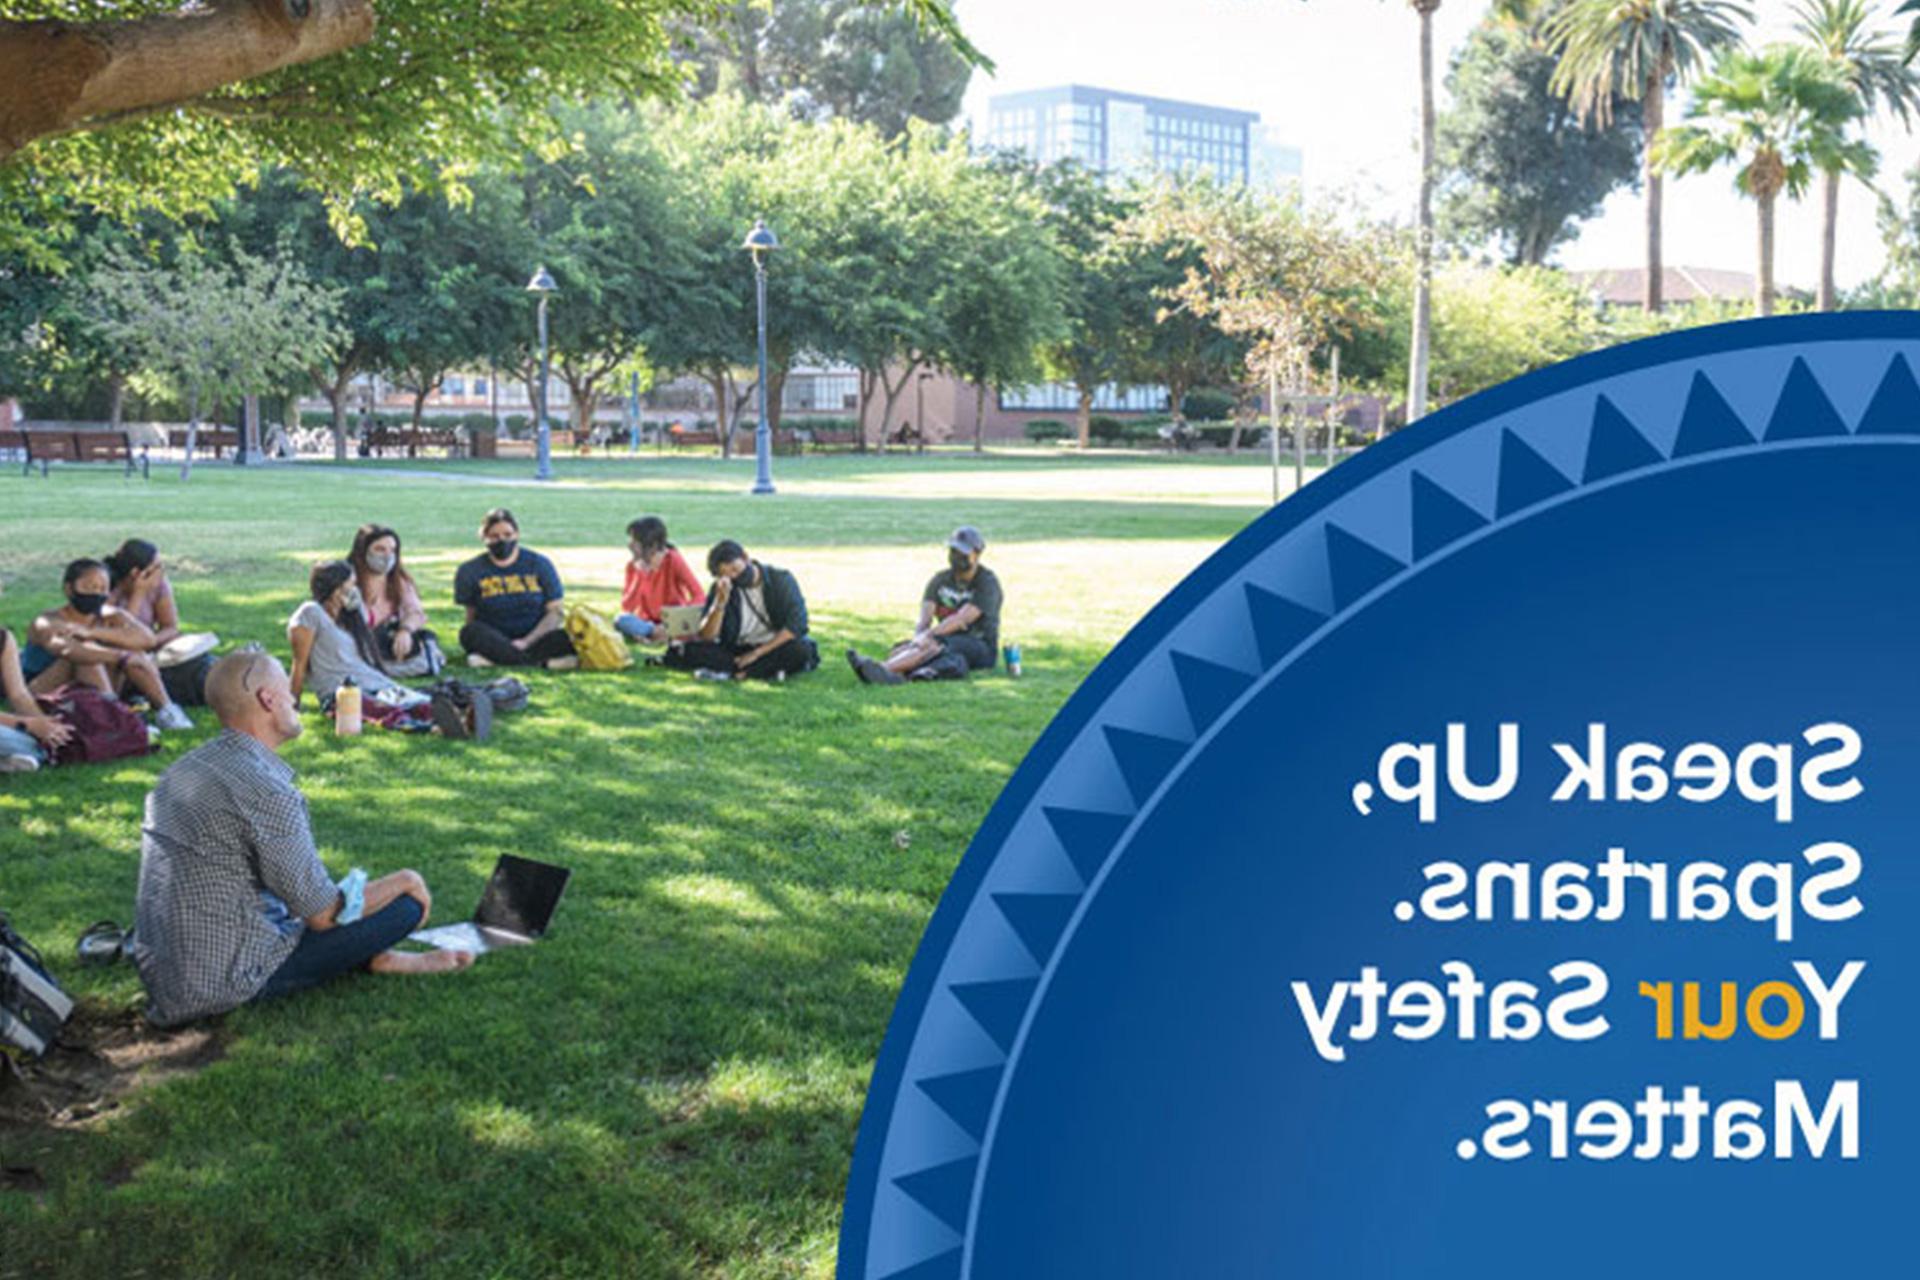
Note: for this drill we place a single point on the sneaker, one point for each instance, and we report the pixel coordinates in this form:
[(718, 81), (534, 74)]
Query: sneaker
[(475, 660), (18, 764), (171, 718), (875, 672), (704, 673), (563, 664)]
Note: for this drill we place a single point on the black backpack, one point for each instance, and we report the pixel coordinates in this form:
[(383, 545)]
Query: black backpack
[(33, 1008)]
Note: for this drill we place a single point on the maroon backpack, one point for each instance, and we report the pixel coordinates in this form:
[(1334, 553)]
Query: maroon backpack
[(103, 728)]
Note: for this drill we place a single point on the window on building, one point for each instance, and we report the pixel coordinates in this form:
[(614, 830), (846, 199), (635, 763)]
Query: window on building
[(1058, 397)]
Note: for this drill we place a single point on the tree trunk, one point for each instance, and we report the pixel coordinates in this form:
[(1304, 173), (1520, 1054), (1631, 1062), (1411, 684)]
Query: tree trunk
[(718, 379), (1763, 284), (776, 392), (420, 405), (979, 417), (1829, 226), (1176, 399), (337, 401), (1423, 244), (56, 77), (1083, 417), (1653, 114), (116, 399), (860, 424)]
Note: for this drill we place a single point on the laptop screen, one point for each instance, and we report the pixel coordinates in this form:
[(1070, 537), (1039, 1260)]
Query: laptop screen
[(521, 896)]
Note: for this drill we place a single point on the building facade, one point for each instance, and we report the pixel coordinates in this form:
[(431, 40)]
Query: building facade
[(1133, 135)]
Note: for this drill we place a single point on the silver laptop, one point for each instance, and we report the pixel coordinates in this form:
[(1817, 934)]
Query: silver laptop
[(516, 909), (680, 621)]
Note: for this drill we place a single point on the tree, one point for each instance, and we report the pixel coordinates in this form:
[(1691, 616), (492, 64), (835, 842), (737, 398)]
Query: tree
[(1608, 50), (1780, 114), (214, 331), (170, 104), (1898, 284), (1184, 349), (830, 58), (1001, 293), (1517, 168), (1107, 283), (1284, 277), (1871, 65)]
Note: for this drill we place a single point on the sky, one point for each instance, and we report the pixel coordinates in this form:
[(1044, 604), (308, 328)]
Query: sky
[(1340, 80)]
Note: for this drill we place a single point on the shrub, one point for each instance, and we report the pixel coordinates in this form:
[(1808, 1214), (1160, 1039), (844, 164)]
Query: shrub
[(517, 424), (1103, 429), (1045, 430), (478, 422), (1207, 404)]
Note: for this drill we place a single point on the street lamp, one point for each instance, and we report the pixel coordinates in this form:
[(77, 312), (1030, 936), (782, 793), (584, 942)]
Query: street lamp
[(760, 242), (541, 285)]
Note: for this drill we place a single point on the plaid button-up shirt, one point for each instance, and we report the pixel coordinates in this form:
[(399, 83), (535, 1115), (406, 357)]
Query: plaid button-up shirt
[(228, 870)]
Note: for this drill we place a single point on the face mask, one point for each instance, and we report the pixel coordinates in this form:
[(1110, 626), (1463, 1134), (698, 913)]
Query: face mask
[(379, 562), (501, 548), (88, 602), (959, 561), (350, 599)]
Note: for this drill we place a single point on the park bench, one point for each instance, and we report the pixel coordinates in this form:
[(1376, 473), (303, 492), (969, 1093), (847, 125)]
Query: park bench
[(560, 441), (833, 438), (383, 440), (214, 440), (683, 439), (80, 448)]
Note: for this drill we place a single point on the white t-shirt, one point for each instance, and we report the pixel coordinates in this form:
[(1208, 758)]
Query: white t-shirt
[(754, 629), (334, 656)]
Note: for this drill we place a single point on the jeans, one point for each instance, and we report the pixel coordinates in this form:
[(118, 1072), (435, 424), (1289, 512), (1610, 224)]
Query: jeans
[(634, 627), (496, 646), (18, 742), (792, 658), (327, 953)]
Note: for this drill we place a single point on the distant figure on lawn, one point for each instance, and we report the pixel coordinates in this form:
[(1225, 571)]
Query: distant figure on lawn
[(233, 903), (755, 627), (90, 641), (403, 645), (515, 614), (657, 576), (959, 627)]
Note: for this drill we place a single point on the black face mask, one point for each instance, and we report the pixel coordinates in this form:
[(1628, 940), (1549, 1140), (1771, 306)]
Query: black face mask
[(959, 561), (501, 548), (88, 602)]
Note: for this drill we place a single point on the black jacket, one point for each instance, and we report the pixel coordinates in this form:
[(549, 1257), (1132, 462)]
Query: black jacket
[(786, 607)]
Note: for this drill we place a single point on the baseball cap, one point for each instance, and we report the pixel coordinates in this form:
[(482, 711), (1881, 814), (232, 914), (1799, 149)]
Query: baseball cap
[(967, 538)]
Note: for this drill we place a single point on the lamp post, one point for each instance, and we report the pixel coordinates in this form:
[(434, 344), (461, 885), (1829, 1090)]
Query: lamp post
[(541, 285), (760, 242)]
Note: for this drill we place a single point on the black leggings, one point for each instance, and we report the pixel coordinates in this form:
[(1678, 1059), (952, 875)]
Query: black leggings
[(494, 645), (791, 658)]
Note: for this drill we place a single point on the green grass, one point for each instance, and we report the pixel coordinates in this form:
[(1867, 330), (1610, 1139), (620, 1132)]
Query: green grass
[(671, 1085)]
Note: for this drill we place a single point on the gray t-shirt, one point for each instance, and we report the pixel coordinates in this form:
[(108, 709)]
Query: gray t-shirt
[(334, 656), (755, 628)]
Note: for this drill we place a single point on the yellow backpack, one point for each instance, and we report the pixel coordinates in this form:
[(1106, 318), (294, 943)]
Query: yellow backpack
[(601, 648)]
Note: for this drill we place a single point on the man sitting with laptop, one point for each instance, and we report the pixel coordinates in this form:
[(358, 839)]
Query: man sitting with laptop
[(754, 626), (233, 903)]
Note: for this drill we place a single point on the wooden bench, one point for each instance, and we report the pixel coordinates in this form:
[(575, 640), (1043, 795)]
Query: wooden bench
[(693, 439), (82, 448), (217, 440), (834, 438)]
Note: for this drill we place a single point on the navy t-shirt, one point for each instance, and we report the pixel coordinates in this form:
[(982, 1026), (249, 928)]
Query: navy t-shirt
[(511, 598)]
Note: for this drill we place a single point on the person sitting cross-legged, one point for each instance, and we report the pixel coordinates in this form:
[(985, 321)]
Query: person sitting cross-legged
[(28, 735), (233, 903), (959, 627), (755, 626), (88, 640), (657, 577), (515, 614)]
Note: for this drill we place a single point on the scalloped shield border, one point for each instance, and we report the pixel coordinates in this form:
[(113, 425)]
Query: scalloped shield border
[(1265, 597)]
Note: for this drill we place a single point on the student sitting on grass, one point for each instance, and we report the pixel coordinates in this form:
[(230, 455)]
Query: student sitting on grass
[(403, 645), (88, 641), (657, 576), (141, 590), (755, 627), (330, 640), (959, 627), (27, 733), (515, 614), (233, 903)]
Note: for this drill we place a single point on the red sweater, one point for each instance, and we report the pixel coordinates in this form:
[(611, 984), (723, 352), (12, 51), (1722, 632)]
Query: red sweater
[(672, 583)]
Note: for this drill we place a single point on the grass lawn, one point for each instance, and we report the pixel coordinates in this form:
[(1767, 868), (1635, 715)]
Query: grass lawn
[(670, 1086)]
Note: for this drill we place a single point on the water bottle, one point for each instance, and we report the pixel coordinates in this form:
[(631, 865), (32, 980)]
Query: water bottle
[(346, 709), (1013, 660)]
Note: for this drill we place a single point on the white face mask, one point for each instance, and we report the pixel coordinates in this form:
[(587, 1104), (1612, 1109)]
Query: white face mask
[(350, 599), (380, 562)]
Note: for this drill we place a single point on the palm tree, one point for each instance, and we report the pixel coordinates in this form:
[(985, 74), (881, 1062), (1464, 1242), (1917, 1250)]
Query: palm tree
[(1423, 246), (1872, 64), (1609, 47), (1780, 114)]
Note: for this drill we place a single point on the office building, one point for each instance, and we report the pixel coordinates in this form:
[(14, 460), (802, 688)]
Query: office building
[(1131, 134)]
